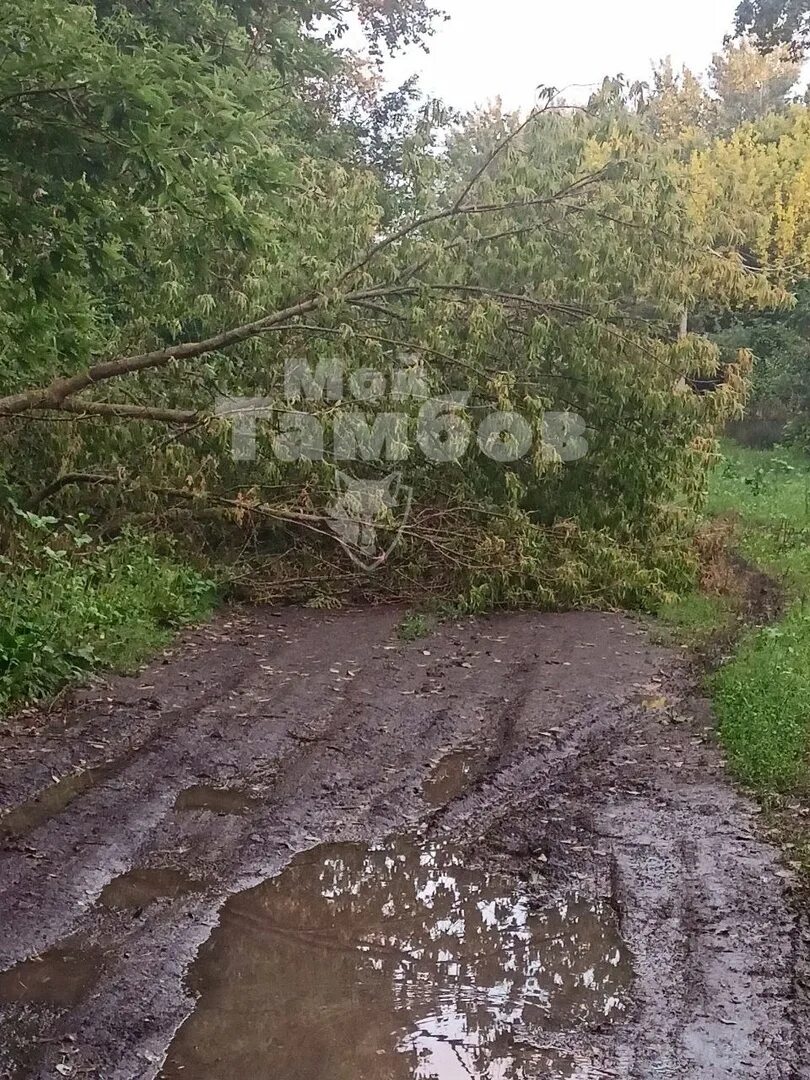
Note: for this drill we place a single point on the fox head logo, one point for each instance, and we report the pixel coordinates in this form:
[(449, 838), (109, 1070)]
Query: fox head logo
[(363, 508)]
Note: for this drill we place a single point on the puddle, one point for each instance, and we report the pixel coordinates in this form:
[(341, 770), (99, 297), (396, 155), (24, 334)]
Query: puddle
[(454, 774), (396, 963), (54, 799), (217, 800), (60, 977), (138, 888)]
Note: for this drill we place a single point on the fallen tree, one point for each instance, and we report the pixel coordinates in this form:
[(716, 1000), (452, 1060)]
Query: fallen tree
[(173, 241)]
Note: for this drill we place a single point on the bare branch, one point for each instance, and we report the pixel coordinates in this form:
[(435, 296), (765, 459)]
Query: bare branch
[(114, 410)]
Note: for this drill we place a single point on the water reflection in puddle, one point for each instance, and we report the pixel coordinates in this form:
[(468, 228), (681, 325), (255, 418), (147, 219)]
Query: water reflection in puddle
[(454, 774), (395, 963)]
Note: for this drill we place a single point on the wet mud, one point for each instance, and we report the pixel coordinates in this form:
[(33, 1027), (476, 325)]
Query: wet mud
[(52, 801), (61, 977), (296, 847)]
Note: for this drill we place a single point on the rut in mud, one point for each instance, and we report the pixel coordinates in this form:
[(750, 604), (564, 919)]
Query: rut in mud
[(299, 849)]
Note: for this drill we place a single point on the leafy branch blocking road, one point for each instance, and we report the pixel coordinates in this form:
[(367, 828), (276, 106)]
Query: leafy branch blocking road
[(186, 207), (191, 223)]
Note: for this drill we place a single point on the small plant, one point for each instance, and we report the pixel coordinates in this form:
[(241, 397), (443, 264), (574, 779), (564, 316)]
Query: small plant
[(413, 627), (757, 481)]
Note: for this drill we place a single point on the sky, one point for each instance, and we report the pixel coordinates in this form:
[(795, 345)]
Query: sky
[(507, 48)]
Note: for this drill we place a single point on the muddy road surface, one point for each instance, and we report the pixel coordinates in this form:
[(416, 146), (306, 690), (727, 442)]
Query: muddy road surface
[(296, 848)]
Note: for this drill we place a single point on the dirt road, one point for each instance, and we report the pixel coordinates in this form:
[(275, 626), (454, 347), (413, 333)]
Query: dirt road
[(296, 848)]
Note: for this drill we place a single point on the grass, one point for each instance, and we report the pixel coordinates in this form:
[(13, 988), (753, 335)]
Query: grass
[(695, 619), (762, 694), (759, 507), (762, 701), (71, 604), (769, 492)]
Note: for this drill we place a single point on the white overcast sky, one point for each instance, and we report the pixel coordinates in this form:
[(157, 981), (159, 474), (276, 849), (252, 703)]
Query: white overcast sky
[(506, 48)]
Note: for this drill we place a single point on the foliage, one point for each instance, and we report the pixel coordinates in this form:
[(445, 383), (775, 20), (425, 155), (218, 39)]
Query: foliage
[(760, 173), (750, 84), (775, 22), (122, 155), (742, 85), (70, 602), (535, 266), (679, 107), (769, 164), (293, 36), (780, 343)]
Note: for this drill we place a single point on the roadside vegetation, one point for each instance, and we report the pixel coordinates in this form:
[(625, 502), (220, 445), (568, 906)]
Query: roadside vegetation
[(758, 646), (71, 604), (762, 695)]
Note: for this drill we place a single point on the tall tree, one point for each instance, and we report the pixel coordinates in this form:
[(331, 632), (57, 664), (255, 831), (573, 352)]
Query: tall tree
[(291, 34), (750, 84), (774, 23), (679, 107)]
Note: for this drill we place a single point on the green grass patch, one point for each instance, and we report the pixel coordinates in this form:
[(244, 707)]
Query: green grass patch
[(768, 491), (762, 701), (762, 696), (71, 604), (696, 618)]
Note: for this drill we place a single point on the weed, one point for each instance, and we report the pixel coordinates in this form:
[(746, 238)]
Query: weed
[(413, 627)]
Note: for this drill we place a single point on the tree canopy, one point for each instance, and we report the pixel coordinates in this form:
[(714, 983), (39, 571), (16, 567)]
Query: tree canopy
[(774, 23)]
